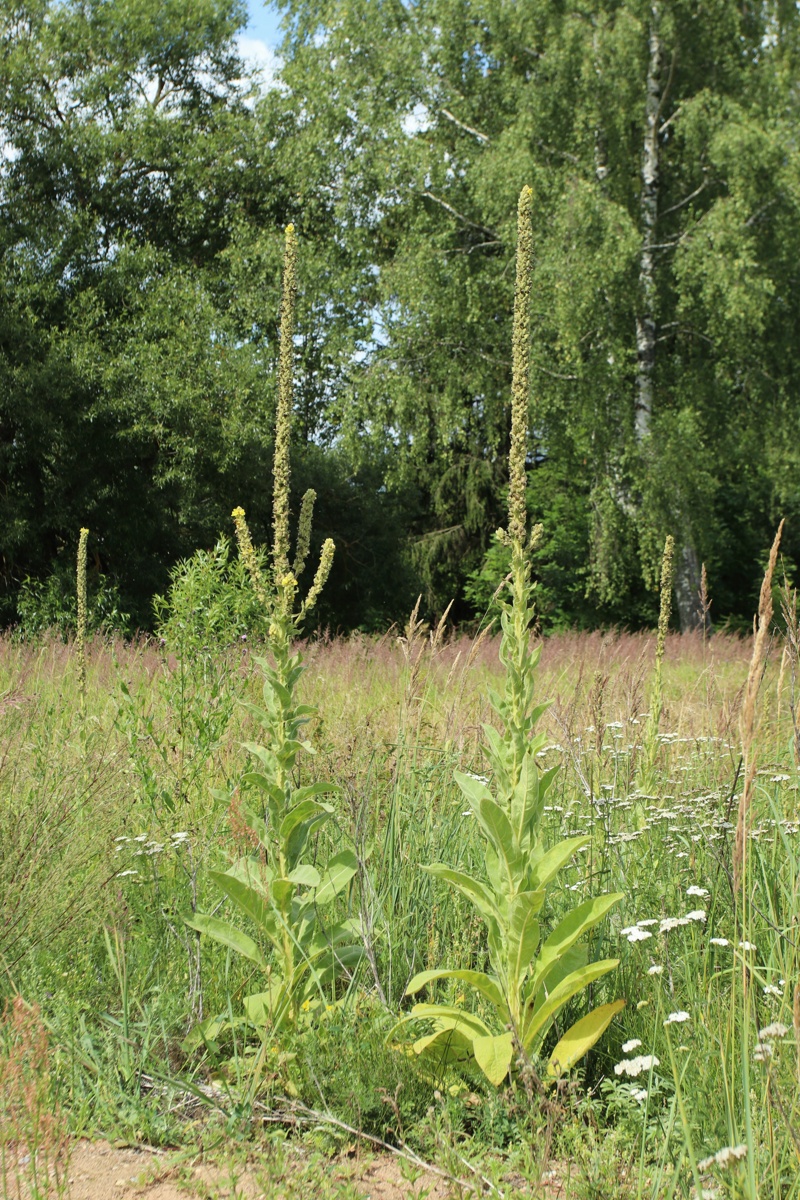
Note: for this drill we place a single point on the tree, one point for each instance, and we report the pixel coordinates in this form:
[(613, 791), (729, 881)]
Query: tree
[(664, 298)]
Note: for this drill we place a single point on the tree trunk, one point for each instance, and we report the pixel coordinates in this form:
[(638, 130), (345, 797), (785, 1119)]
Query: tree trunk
[(688, 591), (687, 572), (645, 317)]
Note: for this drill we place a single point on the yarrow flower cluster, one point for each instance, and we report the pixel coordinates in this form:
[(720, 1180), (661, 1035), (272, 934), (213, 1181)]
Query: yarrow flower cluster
[(677, 1018), (635, 1066), (725, 1157)]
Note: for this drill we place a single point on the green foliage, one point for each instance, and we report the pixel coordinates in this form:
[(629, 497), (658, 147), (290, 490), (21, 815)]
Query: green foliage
[(531, 977), (277, 886), (50, 605), (210, 602)]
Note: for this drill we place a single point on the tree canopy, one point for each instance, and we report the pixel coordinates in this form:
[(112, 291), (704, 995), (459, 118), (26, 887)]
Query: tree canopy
[(144, 187)]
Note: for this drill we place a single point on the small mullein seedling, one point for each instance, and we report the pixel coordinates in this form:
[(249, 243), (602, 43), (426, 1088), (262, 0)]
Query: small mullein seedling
[(276, 888), (531, 976)]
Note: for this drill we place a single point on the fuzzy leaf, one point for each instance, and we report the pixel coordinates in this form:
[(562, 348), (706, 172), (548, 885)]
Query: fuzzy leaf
[(551, 863), (573, 926), (487, 985), (338, 873), (497, 828), (475, 891), (493, 1055), (305, 875), (581, 1037), (535, 1023), (228, 935)]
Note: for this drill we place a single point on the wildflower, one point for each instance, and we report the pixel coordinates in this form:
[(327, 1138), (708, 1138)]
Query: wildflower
[(694, 890), (772, 990), (123, 838), (723, 1158), (719, 941), (639, 1094), (746, 946), (635, 1066), (648, 921), (655, 970), (141, 838), (123, 873), (769, 1032), (779, 779), (677, 1018), (697, 914), (763, 1052), (633, 934), (669, 923), (633, 1044)]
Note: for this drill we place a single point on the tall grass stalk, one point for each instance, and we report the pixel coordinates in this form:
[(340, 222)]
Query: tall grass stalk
[(80, 633), (651, 742)]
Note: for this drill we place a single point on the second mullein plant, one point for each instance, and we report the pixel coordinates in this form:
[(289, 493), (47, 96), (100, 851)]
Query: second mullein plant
[(277, 888), (532, 976)]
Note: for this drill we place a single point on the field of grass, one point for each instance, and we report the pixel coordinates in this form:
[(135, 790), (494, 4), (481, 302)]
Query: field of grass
[(113, 813)]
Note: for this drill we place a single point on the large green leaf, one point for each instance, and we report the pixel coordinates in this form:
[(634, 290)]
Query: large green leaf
[(493, 1055), (228, 935), (252, 902), (537, 1019), (567, 932), (448, 1016), (473, 889), (581, 1037), (444, 1048), (554, 859), (305, 811), (474, 789), (338, 873), (487, 985), (305, 875), (523, 936), (497, 828)]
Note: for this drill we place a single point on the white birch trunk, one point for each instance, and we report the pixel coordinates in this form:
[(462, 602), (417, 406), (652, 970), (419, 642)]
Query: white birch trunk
[(645, 317), (687, 566)]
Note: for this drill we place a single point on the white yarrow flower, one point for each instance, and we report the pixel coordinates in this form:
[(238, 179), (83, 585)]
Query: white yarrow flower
[(770, 1032), (635, 1066), (723, 1158), (655, 970), (719, 941), (677, 1018), (633, 1044), (694, 890)]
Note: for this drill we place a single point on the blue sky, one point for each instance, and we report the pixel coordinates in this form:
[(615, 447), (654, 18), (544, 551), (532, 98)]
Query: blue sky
[(263, 23), (259, 41)]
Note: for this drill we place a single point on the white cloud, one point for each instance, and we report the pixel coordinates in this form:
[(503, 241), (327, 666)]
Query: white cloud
[(260, 57)]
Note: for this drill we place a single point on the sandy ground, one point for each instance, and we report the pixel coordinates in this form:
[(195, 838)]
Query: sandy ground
[(99, 1171)]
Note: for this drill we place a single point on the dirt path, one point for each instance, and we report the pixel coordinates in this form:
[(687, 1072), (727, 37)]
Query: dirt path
[(99, 1171)]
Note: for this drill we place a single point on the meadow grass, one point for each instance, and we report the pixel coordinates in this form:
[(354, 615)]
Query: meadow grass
[(110, 819)]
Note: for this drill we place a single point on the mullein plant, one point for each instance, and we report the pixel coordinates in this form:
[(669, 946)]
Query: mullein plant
[(276, 887), (532, 975)]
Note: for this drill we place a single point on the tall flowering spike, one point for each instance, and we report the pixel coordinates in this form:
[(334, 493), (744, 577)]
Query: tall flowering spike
[(520, 387), (283, 420), (667, 580), (304, 532), (321, 577), (80, 637), (248, 554)]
